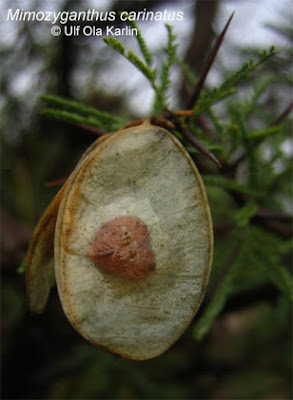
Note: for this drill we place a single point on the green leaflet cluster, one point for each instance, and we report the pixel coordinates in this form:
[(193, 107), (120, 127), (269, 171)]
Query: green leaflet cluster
[(77, 113), (160, 82), (255, 258), (228, 87)]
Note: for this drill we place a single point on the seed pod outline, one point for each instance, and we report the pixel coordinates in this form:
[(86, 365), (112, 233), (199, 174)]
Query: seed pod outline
[(140, 319)]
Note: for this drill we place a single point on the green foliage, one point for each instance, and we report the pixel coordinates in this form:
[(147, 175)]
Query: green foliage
[(254, 250), (285, 30), (142, 44), (244, 215), (80, 108), (21, 269), (262, 84), (187, 72), (225, 288), (241, 131), (271, 130), (78, 113), (230, 185), (115, 45), (254, 258), (144, 68), (165, 80), (71, 117), (160, 83), (228, 87)]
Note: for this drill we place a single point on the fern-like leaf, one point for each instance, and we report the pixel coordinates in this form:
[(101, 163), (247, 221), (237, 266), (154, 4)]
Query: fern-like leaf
[(72, 118), (115, 45), (142, 67), (228, 87), (231, 185), (218, 301), (104, 120), (142, 44)]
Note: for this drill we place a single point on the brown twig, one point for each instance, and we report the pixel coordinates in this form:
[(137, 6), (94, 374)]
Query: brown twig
[(192, 140), (283, 115), (202, 123), (270, 215), (278, 223), (277, 227), (56, 182), (91, 129), (211, 58)]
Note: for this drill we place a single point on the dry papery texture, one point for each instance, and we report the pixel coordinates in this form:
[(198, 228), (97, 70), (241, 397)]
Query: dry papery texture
[(141, 172), (40, 257)]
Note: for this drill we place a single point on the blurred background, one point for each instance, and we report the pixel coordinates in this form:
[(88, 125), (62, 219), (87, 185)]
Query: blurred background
[(247, 352)]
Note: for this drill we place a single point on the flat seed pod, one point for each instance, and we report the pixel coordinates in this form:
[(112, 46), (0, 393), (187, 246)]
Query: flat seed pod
[(40, 257), (133, 244)]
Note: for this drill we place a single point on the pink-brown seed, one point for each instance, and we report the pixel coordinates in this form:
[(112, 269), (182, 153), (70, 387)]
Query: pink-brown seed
[(122, 248)]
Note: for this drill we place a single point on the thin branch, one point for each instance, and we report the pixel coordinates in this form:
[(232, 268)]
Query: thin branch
[(202, 123), (192, 140), (277, 227), (283, 115), (211, 58), (56, 182), (91, 129), (270, 215)]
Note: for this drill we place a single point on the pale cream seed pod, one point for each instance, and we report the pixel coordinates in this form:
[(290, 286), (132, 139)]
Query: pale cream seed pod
[(133, 243), (131, 305), (40, 257)]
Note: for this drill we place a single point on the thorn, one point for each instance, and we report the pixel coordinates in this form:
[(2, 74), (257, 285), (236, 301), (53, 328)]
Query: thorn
[(283, 115), (208, 64), (192, 140)]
